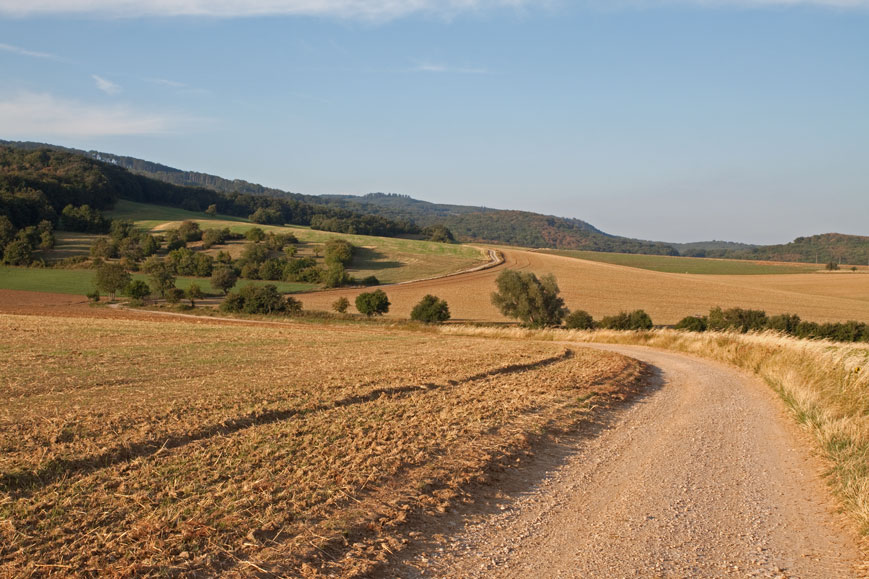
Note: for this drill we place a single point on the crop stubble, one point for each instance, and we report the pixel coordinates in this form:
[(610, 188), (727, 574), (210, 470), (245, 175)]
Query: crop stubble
[(134, 447)]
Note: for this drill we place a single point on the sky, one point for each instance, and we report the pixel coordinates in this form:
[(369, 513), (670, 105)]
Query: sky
[(673, 120)]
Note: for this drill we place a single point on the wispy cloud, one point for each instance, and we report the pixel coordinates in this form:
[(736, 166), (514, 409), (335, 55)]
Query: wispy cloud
[(166, 82), (106, 85), (41, 115), (442, 68), (369, 9), (26, 52)]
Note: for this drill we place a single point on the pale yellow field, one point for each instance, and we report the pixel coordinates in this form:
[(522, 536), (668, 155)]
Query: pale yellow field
[(604, 289)]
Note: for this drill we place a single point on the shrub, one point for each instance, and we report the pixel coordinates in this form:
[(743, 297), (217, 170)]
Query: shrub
[(430, 310), (369, 281), (189, 231), (535, 302), (832, 266), (93, 296), (373, 303), (636, 320), (693, 324), (737, 319), (260, 300), (340, 305), (787, 323), (255, 234), (579, 320)]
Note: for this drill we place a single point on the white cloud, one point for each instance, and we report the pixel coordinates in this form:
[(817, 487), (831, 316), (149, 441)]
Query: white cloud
[(25, 52), (106, 85), (34, 116), (371, 9), (166, 82)]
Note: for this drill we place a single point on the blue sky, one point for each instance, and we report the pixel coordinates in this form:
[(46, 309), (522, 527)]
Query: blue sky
[(667, 120)]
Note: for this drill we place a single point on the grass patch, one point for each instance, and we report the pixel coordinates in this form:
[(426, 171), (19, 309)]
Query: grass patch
[(692, 265), (147, 216), (81, 281)]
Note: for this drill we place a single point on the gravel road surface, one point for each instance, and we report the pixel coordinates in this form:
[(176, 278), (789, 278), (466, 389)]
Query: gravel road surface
[(705, 477)]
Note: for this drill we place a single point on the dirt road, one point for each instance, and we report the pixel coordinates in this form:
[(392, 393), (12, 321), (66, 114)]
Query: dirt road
[(705, 477)]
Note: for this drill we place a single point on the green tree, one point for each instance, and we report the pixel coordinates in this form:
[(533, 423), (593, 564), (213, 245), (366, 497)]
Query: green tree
[(341, 304), (137, 290), (430, 310), (212, 210), (535, 302), (112, 278), (255, 234), (224, 279), (161, 274), (374, 303), (579, 320), (194, 292), (18, 252)]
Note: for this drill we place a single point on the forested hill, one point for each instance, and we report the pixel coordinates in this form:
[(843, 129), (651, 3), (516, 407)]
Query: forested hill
[(467, 223), (38, 184)]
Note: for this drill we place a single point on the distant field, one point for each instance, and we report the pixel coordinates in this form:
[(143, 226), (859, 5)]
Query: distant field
[(198, 449), (148, 216), (81, 281), (693, 265), (390, 259), (606, 289)]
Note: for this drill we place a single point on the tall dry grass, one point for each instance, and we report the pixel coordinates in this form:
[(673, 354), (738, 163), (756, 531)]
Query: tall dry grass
[(825, 385)]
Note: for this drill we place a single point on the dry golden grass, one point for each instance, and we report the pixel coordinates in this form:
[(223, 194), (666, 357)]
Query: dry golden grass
[(136, 447), (825, 384), (605, 289)]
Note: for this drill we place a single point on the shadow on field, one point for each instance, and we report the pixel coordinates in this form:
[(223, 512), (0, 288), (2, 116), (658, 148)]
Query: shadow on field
[(370, 259), (25, 480)]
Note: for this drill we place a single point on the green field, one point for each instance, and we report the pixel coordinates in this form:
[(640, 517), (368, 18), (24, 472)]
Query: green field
[(149, 216), (81, 281), (694, 265)]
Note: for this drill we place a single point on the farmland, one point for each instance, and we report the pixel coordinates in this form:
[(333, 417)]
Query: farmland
[(179, 447), (605, 289), (693, 265)]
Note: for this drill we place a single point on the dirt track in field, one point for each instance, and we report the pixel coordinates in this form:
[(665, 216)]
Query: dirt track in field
[(605, 289), (706, 477)]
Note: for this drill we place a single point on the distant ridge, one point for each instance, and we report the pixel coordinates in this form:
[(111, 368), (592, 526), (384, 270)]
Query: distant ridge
[(509, 227)]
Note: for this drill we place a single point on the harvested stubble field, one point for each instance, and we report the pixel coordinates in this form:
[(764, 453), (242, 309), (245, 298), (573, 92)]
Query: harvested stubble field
[(605, 289), (138, 447)]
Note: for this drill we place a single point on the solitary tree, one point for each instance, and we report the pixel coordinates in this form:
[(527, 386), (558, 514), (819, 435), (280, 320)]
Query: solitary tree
[(430, 310), (372, 303), (223, 278), (535, 302), (212, 210), (112, 278), (341, 304), (194, 292)]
